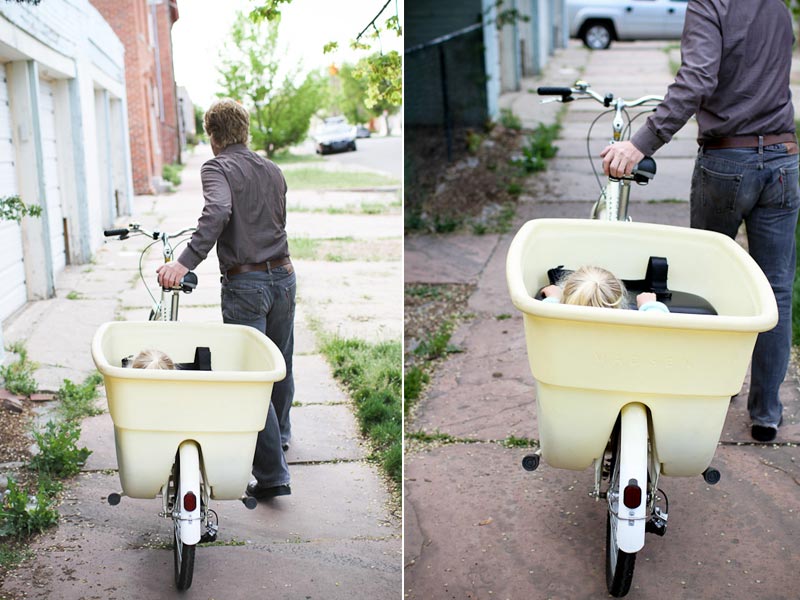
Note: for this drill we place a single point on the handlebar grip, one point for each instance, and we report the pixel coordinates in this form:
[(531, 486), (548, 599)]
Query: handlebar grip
[(113, 232), (554, 91), (644, 171), (189, 282)]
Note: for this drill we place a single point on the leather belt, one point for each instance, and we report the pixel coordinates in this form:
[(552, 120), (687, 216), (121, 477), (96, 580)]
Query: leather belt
[(264, 266), (748, 141)]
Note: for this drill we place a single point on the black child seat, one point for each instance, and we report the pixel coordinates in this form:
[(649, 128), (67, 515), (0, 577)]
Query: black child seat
[(655, 280), (202, 361)]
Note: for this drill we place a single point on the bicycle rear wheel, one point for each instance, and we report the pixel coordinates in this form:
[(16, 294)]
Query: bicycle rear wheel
[(619, 564), (182, 554)]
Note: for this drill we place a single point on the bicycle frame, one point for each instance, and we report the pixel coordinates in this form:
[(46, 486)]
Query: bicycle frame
[(161, 309)]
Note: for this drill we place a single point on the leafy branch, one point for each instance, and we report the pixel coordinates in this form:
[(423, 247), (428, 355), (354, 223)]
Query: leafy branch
[(12, 208)]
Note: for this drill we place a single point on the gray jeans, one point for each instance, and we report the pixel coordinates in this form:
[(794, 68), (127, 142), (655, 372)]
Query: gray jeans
[(266, 301), (760, 188)]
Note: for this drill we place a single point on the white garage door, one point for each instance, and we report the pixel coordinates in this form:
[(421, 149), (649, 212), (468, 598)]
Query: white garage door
[(55, 214), (12, 270)]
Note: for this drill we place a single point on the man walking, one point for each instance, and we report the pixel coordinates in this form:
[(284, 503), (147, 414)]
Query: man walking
[(245, 216), (734, 75)]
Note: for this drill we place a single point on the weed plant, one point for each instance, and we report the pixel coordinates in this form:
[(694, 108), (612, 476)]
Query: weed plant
[(59, 455), (438, 345), (18, 376), (415, 379), (78, 401), (509, 120), (21, 515), (539, 148)]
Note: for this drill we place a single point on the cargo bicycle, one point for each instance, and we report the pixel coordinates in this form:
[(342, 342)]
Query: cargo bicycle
[(172, 435), (635, 395)]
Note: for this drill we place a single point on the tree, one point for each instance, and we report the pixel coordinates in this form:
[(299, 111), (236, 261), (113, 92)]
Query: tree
[(352, 97), (383, 72), (280, 110)]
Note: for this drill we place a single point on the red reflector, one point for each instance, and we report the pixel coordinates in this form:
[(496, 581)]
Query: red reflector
[(189, 501), (632, 496)]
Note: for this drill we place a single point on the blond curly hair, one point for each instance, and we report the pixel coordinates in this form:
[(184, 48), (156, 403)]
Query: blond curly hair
[(152, 359), (593, 286), (227, 122)]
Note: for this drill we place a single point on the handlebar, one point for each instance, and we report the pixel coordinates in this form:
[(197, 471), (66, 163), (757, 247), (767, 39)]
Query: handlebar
[(583, 90), (135, 228)]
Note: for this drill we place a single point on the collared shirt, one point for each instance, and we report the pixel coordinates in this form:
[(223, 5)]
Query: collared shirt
[(736, 57), (244, 211)]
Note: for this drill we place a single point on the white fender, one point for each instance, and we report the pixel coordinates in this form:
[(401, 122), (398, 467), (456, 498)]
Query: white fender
[(189, 482), (632, 468)]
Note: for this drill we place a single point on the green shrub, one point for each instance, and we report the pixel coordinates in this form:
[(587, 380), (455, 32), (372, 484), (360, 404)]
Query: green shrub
[(22, 516), (59, 455), (172, 173)]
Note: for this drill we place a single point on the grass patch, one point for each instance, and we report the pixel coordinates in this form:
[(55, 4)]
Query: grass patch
[(372, 373), (413, 383), (78, 401), (503, 317), (11, 555), (438, 437), (73, 295), (288, 158), (303, 248), (306, 178), (18, 375), (427, 292), (515, 442)]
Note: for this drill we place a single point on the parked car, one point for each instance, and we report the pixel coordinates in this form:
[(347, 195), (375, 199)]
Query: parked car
[(335, 136), (599, 22), (363, 132)]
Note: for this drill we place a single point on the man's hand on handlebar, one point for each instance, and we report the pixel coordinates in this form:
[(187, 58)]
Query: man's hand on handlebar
[(170, 274), (620, 158)]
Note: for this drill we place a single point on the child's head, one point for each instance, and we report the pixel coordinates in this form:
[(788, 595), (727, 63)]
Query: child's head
[(152, 359), (593, 286)]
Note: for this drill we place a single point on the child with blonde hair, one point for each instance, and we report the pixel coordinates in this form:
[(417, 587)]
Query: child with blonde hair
[(152, 359), (595, 286)]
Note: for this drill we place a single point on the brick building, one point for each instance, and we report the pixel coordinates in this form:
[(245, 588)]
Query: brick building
[(145, 28)]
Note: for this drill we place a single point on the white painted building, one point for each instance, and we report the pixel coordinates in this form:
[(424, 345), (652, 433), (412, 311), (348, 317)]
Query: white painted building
[(63, 141)]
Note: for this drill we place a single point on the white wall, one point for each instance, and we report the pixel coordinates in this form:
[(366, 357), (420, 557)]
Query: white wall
[(60, 52)]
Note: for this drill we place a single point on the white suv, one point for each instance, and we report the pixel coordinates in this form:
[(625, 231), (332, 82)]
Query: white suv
[(598, 22)]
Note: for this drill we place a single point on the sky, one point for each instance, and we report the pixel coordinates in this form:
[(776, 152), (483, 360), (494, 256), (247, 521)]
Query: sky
[(203, 27)]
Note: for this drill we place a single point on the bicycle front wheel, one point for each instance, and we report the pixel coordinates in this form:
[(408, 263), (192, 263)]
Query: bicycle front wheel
[(183, 557), (619, 564), (182, 554)]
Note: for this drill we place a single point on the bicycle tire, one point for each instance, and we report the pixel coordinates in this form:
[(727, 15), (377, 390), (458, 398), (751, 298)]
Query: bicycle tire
[(619, 564), (182, 554)]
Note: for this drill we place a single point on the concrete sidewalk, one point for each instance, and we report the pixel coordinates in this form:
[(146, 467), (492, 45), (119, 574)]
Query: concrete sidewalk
[(537, 535), (336, 537)]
